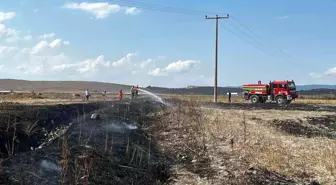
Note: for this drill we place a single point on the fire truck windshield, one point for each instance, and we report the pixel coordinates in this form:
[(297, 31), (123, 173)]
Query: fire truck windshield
[(291, 86)]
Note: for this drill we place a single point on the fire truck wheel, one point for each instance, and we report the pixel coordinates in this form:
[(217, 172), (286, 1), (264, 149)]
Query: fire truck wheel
[(254, 99), (280, 100)]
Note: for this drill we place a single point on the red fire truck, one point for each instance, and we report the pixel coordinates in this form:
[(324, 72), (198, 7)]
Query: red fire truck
[(280, 91)]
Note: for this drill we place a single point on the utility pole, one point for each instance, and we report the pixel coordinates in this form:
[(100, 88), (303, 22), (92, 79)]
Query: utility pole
[(216, 52)]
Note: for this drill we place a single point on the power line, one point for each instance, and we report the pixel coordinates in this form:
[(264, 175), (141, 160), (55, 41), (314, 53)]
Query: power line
[(245, 27), (260, 48), (160, 8), (249, 42), (253, 40), (216, 52), (169, 9), (279, 55)]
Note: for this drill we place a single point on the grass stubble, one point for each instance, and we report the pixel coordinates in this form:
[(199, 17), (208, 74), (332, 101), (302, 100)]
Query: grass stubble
[(235, 146)]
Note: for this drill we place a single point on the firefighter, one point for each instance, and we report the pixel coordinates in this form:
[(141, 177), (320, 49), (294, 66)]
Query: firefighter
[(136, 91), (229, 96), (120, 94), (87, 94), (133, 91), (245, 95)]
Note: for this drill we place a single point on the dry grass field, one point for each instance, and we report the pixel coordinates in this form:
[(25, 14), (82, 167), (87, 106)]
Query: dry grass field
[(250, 146), (66, 98), (198, 143)]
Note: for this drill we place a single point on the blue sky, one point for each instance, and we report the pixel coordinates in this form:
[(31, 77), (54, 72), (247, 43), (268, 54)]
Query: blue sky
[(141, 42)]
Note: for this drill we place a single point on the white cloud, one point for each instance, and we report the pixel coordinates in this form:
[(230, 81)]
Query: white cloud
[(101, 10), (39, 46), (47, 36), (125, 61), (93, 65), (98, 66), (55, 43), (7, 16), (8, 34), (132, 11), (40, 65), (328, 73), (30, 70), (5, 31), (182, 66), (158, 72), (101, 67), (175, 67), (44, 44), (146, 63), (83, 67)]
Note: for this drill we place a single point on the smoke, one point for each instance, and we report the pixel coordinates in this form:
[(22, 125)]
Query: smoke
[(49, 166), (120, 127)]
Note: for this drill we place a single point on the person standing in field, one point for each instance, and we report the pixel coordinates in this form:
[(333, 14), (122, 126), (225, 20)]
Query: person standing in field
[(229, 96), (136, 91), (120, 94), (133, 91), (87, 94)]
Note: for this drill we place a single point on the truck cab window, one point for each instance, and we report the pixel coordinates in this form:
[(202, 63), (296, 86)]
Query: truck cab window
[(282, 85)]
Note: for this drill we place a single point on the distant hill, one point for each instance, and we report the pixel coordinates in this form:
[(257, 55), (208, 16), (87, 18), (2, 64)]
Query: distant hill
[(318, 92), (80, 86), (59, 86), (310, 87), (193, 90)]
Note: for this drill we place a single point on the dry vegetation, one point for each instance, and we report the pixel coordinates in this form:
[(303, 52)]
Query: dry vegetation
[(203, 145), (66, 98), (247, 147)]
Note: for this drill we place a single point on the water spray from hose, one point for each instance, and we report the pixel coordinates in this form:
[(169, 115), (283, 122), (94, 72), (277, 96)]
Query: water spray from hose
[(154, 96)]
